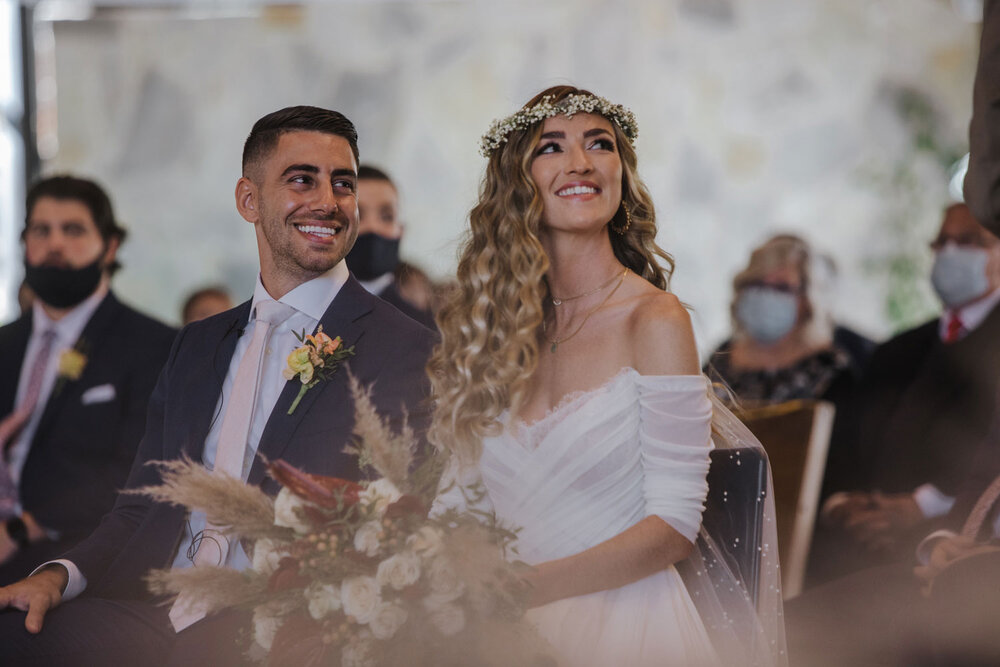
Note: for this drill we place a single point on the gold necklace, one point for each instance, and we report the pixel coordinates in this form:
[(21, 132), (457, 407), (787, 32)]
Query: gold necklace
[(554, 344), (558, 302)]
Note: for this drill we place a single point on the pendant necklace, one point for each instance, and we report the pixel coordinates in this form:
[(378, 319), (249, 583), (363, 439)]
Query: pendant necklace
[(554, 343), (558, 302)]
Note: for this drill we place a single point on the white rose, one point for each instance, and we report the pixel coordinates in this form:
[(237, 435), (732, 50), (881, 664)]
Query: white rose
[(366, 540), (360, 597), (445, 584), (357, 654), (388, 619), (323, 599), (266, 556), (381, 493), (449, 619), (428, 541), (286, 511), (264, 629), (399, 571)]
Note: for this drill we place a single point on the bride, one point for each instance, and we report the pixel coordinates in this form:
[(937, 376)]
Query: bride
[(567, 382)]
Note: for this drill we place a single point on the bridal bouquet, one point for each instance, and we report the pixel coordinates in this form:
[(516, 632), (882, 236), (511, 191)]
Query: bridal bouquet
[(358, 574)]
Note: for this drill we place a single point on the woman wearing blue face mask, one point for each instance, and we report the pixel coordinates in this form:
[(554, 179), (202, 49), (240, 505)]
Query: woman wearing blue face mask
[(784, 343)]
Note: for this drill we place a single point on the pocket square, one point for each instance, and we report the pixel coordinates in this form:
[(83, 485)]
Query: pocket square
[(99, 394)]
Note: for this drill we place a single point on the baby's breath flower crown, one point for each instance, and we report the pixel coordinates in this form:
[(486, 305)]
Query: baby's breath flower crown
[(568, 106)]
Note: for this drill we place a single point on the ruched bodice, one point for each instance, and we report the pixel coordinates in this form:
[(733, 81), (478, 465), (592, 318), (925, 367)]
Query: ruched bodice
[(601, 461)]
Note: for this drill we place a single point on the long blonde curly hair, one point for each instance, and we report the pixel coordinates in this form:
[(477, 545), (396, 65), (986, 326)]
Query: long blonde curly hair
[(490, 325)]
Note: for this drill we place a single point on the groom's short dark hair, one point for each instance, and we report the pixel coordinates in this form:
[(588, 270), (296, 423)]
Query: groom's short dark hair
[(266, 131)]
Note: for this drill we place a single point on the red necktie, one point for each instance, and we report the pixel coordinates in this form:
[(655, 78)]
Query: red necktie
[(954, 330)]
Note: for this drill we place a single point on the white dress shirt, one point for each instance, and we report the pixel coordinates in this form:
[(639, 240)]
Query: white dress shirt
[(309, 300), (67, 330)]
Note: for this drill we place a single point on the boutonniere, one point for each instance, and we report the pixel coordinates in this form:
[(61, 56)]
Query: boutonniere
[(71, 364), (316, 359)]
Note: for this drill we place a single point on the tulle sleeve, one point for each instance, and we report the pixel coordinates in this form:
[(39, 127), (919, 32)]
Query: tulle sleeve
[(675, 439)]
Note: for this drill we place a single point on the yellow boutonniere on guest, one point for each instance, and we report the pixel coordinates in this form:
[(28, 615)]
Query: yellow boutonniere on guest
[(71, 364)]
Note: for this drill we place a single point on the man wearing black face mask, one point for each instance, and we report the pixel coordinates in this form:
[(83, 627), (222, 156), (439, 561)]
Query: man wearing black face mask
[(76, 372), (375, 256)]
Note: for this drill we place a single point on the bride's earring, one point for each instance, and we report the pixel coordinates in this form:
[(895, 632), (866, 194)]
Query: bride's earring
[(628, 221)]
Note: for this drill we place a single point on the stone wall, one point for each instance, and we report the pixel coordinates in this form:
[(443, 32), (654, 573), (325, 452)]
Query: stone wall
[(755, 116)]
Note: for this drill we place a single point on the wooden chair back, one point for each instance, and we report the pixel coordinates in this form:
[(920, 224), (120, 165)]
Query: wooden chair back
[(796, 437)]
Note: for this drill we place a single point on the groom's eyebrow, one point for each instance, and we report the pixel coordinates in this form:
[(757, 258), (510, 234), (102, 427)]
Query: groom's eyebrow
[(308, 168)]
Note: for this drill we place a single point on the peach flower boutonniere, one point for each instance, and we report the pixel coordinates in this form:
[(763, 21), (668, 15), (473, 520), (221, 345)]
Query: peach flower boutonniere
[(316, 359)]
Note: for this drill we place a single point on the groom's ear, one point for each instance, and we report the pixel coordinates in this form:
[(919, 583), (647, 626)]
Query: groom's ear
[(247, 200)]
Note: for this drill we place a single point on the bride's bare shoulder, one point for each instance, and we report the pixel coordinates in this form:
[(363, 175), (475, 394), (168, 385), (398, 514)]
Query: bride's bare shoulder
[(662, 339)]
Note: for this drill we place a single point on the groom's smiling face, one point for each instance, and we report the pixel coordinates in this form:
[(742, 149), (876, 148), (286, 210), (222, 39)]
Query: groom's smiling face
[(302, 200)]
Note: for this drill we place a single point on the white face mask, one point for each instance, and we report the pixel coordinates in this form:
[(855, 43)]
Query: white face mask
[(959, 274), (766, 314)]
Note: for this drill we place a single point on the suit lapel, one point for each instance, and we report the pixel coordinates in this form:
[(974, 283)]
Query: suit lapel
[(342, 318), (202, 408), (11, 360), (89, 343)]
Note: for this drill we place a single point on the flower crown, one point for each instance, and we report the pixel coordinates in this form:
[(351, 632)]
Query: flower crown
[(572, 104)]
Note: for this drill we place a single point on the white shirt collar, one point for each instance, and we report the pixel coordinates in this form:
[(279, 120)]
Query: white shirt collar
[(71, 325), (971, 315), (378, 285), (312, 297)]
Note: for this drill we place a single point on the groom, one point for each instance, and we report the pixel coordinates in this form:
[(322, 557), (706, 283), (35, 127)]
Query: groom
[(224, 377)]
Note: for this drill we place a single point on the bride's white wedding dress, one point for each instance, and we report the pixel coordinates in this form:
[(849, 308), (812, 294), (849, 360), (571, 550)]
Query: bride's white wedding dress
[(597, 464)]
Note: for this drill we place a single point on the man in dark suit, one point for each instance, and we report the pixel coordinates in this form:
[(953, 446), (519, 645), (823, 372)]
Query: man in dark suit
[(904, 444), (880, 616), (374, 259), (76, 373), (224, 376)]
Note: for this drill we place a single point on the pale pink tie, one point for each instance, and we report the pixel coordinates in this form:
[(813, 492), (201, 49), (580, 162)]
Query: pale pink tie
[(230, 456), (12, 424)]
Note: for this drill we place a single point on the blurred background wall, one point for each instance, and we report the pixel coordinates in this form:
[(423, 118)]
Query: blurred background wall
[(840, 120)]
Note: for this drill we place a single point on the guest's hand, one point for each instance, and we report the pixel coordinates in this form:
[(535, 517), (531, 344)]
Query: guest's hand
[(8, 547), (878, 525), (946, 551), (841, 506), (36, 595)]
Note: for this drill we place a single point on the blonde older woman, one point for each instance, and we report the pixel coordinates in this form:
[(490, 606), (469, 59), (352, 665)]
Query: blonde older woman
[(785, 345)]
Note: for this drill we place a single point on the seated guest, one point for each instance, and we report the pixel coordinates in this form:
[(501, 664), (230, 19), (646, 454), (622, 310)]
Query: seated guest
[(415, 286), (942, 612), (783, 345), (76, 372), (204, 303), (901, 445), (375, 256)]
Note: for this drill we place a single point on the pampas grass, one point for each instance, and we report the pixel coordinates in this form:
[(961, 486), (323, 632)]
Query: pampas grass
[(227, 502), (390, 454), (217, 587)]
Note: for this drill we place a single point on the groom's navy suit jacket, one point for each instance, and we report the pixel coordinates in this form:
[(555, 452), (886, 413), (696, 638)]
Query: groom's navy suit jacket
[(86, 440), (390, 353)]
